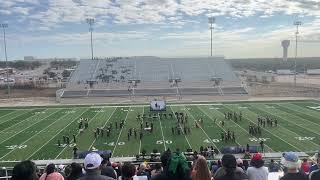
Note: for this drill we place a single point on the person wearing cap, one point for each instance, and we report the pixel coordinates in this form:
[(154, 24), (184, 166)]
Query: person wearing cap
[(92, 165), (291, 161), (257, 171), (315, 174)]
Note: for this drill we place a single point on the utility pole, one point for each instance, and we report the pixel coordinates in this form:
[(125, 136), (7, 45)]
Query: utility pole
[(90, 21), (297, 24), (4, 26), (211, 21)]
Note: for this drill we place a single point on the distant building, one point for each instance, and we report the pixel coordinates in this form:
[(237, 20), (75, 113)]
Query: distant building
[(4, 70), (313, 72), (284, 72), (33, 58), (29, 58), (253, 76)]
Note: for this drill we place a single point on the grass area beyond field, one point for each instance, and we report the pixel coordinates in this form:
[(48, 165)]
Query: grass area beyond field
[(33, 132)]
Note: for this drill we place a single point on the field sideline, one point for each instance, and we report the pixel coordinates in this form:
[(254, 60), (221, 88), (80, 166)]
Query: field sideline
[(33, 132)]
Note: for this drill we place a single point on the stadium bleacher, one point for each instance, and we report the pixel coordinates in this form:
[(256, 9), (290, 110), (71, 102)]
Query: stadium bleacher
[(152, 76)]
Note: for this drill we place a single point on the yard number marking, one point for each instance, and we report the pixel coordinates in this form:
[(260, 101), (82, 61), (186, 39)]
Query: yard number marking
[(166, 141), (12, 147), (213, 140), (113, 143), (258, 139), (317, 108), (305, 138)]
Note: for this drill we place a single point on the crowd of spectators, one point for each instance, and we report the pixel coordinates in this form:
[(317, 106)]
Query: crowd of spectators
[(174, 166)]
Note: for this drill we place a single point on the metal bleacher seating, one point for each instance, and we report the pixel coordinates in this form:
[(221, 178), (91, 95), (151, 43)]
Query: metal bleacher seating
[(152, 76)]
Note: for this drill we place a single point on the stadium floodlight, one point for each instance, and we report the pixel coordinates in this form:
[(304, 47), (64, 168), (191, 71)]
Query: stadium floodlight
[(211, 21), (297, 24), (90, 21), (4, 26)]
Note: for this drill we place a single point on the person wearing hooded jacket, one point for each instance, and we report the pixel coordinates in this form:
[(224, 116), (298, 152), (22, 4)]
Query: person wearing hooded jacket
[(175, 167), (229, 169), (257, 171)]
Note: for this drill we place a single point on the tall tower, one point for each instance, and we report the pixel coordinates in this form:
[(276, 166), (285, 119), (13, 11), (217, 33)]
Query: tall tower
[(285, 44), (211, 21), (90, 21)]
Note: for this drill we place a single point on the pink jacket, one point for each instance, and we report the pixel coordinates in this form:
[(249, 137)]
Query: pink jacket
[(52, 176)]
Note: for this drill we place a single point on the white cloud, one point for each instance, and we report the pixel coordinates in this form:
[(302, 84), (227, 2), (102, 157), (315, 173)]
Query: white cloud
[(166, 15), (83, 38), (154, 11)]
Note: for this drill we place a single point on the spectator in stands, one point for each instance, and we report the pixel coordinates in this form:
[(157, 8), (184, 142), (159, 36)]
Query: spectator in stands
[(229, 169), (175, 167), (273, 166), (157, 170), (61, 170), (116, 167), (214, 167), (200, 170), (25, 170), (315, 169), (107, 169), (305, 166), (142, 170), (240, 163), (245, 164), (76, 171), (128, 172), (92, 165), (315, 175), (51, 173), (292, 163), (316, 166), (257, 171), (67, 171)]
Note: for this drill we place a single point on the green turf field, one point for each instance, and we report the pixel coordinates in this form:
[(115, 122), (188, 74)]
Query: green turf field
[(33, 132)]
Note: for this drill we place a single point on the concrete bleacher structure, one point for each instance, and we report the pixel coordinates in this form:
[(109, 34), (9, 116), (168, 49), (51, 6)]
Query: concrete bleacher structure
[(152, 76)]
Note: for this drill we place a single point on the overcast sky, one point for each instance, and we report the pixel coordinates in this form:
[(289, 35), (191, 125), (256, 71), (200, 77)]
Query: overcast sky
[(165, 28)]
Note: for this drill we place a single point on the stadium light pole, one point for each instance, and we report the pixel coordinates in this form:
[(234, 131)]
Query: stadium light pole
[(211, 21), (4, 26), (90, 21), (297, 24)]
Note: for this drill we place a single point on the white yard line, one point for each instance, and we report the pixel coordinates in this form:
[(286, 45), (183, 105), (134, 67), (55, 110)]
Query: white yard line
[(103, 127), (27, 126), (182, 131), (292, 123), (58, 132), (76, 136), (14, 117), (272, 133), (35, 134), (185, 109), (302, 113), (248, 133), (215, 122), (9, 114), (164, 142), (24, 120), (125, 120), (140, 139), (140, 147)]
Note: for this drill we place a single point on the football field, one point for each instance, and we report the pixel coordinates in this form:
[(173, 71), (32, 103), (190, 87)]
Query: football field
[(33, 132)]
